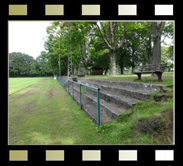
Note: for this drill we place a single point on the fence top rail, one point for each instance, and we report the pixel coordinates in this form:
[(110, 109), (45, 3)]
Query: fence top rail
[(92, 87)]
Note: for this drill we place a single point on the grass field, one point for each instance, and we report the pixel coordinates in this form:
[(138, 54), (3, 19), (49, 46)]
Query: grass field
[(44, 114), (17, 84)]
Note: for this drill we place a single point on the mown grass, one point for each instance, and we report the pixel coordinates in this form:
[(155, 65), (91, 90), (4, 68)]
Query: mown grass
[(45, 114), (17, 84)]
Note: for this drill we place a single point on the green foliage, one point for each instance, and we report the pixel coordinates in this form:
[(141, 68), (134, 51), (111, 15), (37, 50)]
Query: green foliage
[(167, 55), (89, 50), (106, 127), (123, 118), (21, 65)]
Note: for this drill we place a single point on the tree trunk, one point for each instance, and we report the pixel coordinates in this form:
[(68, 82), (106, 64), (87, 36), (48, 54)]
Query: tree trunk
[(112, 62), (85, 69), (156, 33), (122, 67), (133, 68), (150, 57), (111, 43), (106, 72), (79, 69), (149, 49), (149, 52), (157, 50)]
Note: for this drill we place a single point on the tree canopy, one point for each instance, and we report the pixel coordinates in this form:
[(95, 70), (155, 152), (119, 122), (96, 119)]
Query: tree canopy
[(23, 65), (101, 44), (107, 44)]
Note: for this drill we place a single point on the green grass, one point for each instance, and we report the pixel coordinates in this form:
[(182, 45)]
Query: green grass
[(44, 114), (17, 84), (147, 78)]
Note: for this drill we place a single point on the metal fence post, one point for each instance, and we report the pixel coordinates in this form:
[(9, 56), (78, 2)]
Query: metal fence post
[(68, 88), (72, 91), (80, 102), (67, 84), (98, 108)]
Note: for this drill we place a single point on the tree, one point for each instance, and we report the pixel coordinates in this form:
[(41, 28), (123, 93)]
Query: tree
[(81, 40), (111, 33), (157, 29), (94, 43), (56, 45), (99, 57), (133, 52), (167, 55), (20, 64), (42, 67)]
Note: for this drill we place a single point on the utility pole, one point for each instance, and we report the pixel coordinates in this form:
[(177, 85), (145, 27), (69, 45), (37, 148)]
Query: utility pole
[(59, 58), (69, 67), (59, 61), (59, 65)]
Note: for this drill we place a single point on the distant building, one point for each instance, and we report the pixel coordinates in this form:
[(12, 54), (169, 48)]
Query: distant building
[(96, 71)]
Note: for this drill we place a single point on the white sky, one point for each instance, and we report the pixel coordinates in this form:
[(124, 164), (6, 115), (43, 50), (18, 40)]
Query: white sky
[(27, 36)]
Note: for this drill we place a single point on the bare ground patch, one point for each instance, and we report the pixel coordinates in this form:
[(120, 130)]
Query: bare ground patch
[(161, 126), (168, 128), (12, 133), (24, 95), (28, 108), (37, 86), (30, 92), (51, 93)]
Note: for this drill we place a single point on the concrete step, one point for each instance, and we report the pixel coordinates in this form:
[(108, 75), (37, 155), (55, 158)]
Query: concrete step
[(92, 113), (112, 97), (135, 94), (120, 100), (116, 98), (112, 110), (130, 85), (90, 110), (128, 92)]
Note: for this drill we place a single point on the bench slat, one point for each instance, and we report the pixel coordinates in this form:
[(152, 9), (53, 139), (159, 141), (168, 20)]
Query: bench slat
[(152, 68)]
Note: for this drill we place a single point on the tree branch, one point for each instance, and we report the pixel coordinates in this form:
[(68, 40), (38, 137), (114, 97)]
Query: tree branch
[(161, 28), (106, 42), (105, 33), (112, 35), (163, 39), (124, 35)]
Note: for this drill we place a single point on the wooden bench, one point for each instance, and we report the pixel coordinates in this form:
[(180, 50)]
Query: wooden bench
[(81, 74), (152, 68)]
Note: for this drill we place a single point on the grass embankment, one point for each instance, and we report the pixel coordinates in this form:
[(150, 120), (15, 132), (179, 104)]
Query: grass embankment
[(167, 78), (45, 114)]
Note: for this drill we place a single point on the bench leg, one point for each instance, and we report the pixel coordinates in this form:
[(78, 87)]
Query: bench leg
[(159, 74), (139, 76)]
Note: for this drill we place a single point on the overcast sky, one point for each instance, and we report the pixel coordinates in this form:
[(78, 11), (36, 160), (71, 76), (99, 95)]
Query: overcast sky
[(27, 36)]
